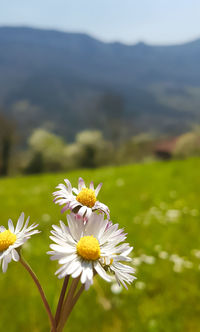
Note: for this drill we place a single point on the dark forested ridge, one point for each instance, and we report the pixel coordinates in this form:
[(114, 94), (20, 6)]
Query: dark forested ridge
[(67, 82)]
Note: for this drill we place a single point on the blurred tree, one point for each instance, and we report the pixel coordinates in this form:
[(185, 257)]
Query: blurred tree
[(94, 150), (36, 164), (7, 139), (138, 148), (48, 151), (72, 156), (188, 145)]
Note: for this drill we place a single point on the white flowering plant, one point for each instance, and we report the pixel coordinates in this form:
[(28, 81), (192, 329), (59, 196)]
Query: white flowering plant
[(85, 245)]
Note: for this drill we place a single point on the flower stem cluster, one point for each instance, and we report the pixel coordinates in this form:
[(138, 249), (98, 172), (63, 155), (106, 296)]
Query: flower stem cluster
[(88, 243)]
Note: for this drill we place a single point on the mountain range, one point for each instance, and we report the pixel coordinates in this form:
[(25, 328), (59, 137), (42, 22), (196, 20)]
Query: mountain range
[(67, 82)]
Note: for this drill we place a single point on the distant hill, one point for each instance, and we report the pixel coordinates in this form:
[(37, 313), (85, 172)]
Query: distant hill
[(67, 82)]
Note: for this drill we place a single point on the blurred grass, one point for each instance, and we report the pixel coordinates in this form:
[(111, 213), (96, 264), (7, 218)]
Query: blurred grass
[(158, 204)]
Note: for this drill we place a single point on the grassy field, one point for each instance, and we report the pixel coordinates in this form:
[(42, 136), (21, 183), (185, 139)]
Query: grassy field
[(159, 206)]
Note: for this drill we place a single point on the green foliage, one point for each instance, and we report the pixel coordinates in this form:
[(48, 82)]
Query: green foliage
[(47, 151), (90, 150), (137, 149), (90, 143), (36, 164), (7, 139), (188, 145), (158, 205)]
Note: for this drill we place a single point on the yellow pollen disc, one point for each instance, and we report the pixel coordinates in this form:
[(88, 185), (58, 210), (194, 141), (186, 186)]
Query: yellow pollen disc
[(86, 197), (6, 239), (88, 248)]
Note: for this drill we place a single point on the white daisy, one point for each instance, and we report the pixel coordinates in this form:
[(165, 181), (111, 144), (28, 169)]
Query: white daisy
[(86, 249), (13, 238), (82, 200)]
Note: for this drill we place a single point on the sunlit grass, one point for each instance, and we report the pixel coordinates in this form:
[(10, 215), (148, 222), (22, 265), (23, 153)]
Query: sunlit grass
[(159, 206)]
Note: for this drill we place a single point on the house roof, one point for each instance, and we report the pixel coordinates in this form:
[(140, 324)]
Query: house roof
[(166, 145)]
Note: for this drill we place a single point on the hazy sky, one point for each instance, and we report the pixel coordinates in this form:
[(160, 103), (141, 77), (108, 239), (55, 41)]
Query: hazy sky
[(129, 21)]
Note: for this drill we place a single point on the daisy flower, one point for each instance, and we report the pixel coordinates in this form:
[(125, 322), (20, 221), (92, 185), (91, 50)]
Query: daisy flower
[(83, 250), (13, 238), (81, 200)]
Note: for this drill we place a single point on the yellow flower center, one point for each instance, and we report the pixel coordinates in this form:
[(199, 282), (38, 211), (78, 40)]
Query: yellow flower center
[(6, 239), (88, 248), (86, 197)]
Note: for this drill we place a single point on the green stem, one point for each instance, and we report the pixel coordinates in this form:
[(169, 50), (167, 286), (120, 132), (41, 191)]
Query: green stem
[(67, 304), (74, 300), (36, 281), (61, 299)]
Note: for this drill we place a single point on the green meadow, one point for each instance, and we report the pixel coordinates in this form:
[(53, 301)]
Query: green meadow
[(158, 204)]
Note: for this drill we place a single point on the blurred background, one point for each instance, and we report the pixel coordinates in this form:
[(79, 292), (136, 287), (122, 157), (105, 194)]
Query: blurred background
[(110, 91)]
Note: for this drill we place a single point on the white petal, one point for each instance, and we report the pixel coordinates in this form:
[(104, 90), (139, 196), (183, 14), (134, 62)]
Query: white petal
[(90, 272), (57, 229), (72, 267), (69, 186), (75, 190), (64, 228), (58, 240), (66, 249), (96, 225), (87, 273), (6, 260), (61, 269), (82, 211), (2, 229), (127, 252), (19, 223), (102, 207), (84, 274), (77, 272), (71, 222), (88, 284), (101, 272), (15, 255), (108, 233), (81, 184), (75, 226), (4, 265), (67, 259), (98, 189), (73, 204), (26, 224), (88, 212), (11, 226)]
